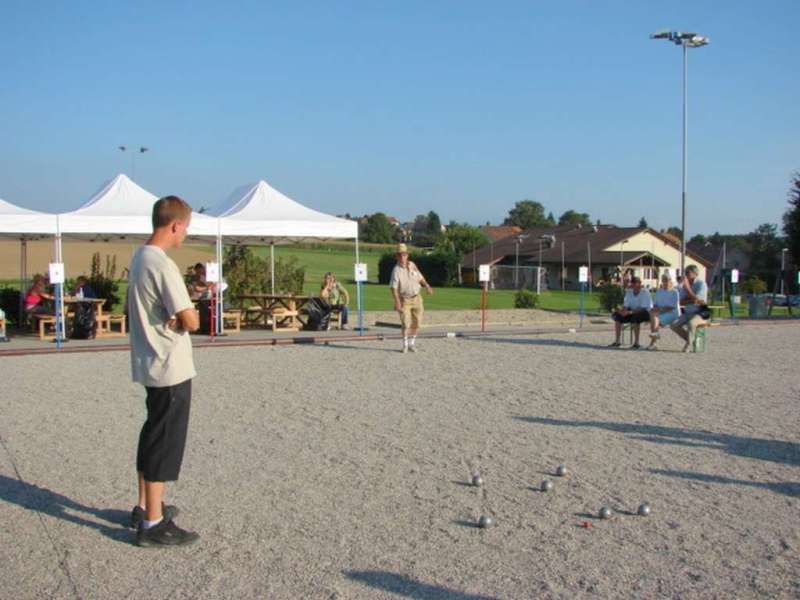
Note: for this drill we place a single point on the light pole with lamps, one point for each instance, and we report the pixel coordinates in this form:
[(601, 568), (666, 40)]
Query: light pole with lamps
[(783, 267), (141, 150), (686, 41)]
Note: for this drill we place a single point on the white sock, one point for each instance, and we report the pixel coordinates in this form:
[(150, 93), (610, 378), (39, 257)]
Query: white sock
[(148, 524), (413, 340), (405, 341)]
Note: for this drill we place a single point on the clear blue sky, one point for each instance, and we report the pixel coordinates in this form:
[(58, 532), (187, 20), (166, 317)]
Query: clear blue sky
[(460, 107)]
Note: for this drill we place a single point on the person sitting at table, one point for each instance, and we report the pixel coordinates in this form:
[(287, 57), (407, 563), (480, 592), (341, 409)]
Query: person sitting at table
[(635, 310), (36, 295), (198, 287), (82, 288), (666, 309), (334, 294)]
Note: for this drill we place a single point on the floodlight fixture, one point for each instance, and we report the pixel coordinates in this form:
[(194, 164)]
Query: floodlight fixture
[(685, 40)]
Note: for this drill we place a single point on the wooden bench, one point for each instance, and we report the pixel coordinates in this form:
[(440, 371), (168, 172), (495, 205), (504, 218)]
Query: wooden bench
[(234, 317), (279, 318), (105, 325), (43, 321)]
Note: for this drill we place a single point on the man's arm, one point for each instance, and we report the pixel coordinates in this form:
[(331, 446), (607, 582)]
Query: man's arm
[(186, 320)]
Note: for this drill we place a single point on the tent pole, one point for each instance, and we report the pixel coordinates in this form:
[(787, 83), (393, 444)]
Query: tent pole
[(23, 276), (358, 295), (220, 324), (272, 266)]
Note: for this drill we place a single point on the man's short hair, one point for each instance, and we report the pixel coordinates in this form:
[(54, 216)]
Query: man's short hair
[(169, 209), (636, 280), (693, 269)]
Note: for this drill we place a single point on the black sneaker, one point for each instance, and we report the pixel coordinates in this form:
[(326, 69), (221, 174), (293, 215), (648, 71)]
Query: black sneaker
[(165, 533), (137, 514)]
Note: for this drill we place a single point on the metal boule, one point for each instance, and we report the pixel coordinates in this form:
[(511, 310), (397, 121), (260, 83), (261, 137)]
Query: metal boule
[(605, 513), (485, 521), (477, 480), (561, 470), (644, 510), (546, 485)]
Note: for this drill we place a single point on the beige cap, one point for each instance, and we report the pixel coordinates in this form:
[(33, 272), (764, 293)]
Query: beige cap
[(402, 249)]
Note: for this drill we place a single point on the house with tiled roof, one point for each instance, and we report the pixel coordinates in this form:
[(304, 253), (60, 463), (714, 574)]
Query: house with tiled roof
[(606, 250)]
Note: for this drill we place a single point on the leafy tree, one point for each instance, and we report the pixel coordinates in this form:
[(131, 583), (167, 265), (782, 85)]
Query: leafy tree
[(765, 248), (434, 226), (674, 230), (378, 229), (643, 222), (462, 238), (526, 214), (551, 220), (698, 239), (574, 218), (791, 219)]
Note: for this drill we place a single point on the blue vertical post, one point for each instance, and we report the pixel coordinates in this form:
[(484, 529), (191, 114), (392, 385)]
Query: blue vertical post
[(59, 314), (360, 308)]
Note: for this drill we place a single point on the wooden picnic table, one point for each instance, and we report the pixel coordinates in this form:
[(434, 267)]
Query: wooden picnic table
[(282, 309)]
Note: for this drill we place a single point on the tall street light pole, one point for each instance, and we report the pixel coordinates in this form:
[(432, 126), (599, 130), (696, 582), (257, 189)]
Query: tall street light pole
[(686, 41)]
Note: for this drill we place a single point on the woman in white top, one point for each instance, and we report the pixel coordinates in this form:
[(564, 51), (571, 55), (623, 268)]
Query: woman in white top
[(666, 308)]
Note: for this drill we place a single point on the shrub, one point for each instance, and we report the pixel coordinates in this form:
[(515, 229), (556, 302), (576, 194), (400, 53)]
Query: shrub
[(611, 297), (753, 285), (246, 273), (103, 281), (440, 268), (526, 299)]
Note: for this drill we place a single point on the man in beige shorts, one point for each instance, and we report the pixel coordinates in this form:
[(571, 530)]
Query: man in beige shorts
[(406, 283)]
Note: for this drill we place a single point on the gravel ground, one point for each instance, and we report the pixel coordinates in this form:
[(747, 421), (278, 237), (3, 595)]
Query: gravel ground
[(341, 471)]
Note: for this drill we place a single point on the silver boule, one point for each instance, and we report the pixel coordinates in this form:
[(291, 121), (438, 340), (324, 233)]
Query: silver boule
[(605, 513), (485, 521), (546, 485), (644, 510), (561, 470), (477, 480)]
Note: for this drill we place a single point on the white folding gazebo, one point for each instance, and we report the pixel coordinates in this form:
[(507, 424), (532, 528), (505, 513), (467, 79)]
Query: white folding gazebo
[(258, 213)]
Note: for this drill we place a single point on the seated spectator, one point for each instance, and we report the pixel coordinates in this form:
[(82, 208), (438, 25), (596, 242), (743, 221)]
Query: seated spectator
[(635, 310), (198, 287), (693, 298), (334, 294), (36, 296), (82, 288), (666, 310)]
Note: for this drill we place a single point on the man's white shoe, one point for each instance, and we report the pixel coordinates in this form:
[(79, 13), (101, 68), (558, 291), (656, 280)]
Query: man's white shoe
[(412, 348), (404, 350)]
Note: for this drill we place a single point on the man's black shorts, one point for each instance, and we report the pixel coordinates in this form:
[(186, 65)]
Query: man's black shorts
[(637, 316), (163, 436)]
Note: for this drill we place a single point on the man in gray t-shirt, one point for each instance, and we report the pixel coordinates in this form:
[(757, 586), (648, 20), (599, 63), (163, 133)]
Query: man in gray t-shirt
[(693, 296), (161, 315)]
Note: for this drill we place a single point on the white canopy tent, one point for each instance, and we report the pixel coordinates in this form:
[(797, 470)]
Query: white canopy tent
[(123, 209), (24, 224), (260, 213)]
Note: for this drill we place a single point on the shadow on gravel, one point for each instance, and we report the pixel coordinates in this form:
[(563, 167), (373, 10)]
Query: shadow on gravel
[(39, 499), (772, 450), (788, 488), (542, 342), (408, 587)]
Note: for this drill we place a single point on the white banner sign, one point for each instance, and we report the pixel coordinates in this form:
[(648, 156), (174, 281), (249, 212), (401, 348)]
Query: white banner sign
[(361, 272), (484, 273), (583, 274), (212, 272), (734, 275), (56, 272)]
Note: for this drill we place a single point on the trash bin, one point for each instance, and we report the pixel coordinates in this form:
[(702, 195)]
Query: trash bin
[(757, 306)]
